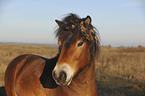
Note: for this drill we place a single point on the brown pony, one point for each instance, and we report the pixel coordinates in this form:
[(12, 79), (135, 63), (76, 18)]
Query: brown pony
[(70, 73)]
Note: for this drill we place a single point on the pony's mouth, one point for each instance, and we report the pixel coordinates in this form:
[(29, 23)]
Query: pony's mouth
[(69, 81), (63, 83)]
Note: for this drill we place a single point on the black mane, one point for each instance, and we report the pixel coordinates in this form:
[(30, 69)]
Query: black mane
[(68, 20), (67, 32)]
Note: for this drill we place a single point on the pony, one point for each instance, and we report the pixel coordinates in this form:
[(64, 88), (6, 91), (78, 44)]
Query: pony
[(70, 73)]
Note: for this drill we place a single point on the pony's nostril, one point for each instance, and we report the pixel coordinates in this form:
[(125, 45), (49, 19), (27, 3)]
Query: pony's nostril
[(62, 76)]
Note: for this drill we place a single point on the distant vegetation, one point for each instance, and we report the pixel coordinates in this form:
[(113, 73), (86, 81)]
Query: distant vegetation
[(119, 71)]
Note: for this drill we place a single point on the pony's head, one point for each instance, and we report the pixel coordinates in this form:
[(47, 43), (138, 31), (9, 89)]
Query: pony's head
[(78, 44)]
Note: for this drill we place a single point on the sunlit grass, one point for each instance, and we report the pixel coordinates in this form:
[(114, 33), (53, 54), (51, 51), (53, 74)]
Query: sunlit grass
[(121, 71)]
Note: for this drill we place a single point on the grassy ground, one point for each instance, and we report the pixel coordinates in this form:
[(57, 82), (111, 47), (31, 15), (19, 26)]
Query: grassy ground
[(119, 71)]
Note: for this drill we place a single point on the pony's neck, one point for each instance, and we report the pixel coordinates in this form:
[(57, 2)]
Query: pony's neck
[(84, 82)]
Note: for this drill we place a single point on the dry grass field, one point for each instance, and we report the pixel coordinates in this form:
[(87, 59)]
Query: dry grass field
[(119, 71)]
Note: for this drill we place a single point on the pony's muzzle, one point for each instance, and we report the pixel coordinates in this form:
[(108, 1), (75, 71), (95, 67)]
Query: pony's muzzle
[(62, 75), (60, 78)]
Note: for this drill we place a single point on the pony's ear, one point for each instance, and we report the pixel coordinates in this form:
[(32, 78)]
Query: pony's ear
[(60, 24), (88, 20)]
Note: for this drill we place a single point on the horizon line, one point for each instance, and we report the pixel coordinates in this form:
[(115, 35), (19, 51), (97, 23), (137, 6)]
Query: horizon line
[(56, 45)]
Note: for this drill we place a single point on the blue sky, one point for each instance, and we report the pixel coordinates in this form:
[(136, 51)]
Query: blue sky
[(120, 22)]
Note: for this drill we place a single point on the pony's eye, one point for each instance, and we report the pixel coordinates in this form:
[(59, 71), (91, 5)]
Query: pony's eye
[(80, 44)]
